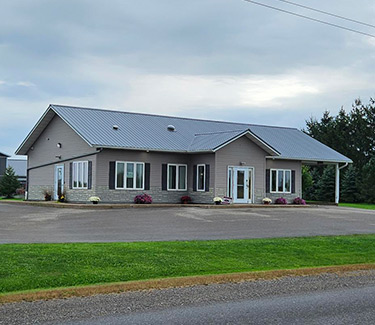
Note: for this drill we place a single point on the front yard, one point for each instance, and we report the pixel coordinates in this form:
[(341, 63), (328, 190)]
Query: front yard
[(43, 266)]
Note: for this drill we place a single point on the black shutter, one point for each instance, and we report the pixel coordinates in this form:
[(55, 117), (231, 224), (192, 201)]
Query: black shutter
[(207, 180), (164, 177), (194, 177), (293, 181), (71, 175), (268, 181), (112, 176), (89, 174), (147, 176)]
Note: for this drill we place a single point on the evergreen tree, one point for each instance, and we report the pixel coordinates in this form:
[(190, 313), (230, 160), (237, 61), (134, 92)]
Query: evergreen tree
[(326, 185), (349, 185), (307, 180), (9, 183), (368, 182)]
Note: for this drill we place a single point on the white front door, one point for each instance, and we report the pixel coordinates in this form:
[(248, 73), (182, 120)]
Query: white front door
[(242, 184), (59, 181)]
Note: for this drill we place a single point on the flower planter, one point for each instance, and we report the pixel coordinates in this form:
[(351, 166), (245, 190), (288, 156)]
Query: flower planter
[(217, 203), (94, 202)]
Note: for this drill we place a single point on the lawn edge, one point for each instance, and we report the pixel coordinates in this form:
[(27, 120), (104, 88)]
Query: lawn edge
[(165, 283)]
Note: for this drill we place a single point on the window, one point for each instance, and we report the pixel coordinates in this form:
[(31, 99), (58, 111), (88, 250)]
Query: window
[(229, 192), (80, 174), (130, 175), (280, 181), (177, 177), (201, 177)]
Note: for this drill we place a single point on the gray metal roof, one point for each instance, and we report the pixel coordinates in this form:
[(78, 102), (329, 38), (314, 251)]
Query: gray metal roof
[(3, 155), (149, 132)]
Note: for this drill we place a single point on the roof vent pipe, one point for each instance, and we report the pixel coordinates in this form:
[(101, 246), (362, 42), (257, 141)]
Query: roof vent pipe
[(115, 127), (171, 128)]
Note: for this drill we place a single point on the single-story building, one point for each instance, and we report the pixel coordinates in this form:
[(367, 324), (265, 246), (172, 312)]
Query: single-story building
[(117, 155)]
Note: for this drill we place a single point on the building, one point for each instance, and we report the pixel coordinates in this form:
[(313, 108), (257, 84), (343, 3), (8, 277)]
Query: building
[(116, 155)]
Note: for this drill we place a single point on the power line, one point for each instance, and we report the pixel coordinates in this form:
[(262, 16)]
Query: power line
[(327, 13), (310, 18)]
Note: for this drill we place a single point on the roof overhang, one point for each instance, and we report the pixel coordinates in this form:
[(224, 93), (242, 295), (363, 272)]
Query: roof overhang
[(258, 141), (309, 161), (39, 127)]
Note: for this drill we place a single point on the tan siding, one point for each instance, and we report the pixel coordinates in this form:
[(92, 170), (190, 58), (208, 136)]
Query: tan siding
[(154, 158), (245, 151), (45, 147)]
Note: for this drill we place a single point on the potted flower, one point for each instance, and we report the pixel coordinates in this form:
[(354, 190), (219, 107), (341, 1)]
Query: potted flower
[(299, 201), (218, 200), (281, 200), (185, 199), (143, 199), (267, 200), (94, 199), (47, 195), (62, 198)]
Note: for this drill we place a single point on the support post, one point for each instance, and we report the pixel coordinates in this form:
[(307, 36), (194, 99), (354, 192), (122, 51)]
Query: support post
[(337, 188)]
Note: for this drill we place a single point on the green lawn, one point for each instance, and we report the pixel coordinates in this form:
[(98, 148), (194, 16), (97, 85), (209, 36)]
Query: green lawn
[(34, 266), (358, 205), (12, 199)]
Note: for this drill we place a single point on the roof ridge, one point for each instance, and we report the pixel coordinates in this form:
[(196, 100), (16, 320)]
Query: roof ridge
[(219, 132), (175, 117)]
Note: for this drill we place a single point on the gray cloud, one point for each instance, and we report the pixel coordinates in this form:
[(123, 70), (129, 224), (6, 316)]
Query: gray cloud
[(200, 58)]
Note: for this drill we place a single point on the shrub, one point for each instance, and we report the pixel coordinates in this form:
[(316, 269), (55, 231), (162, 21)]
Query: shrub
[(47, 195), (299, 201), (143, 199), (185, 199), (281, 200)]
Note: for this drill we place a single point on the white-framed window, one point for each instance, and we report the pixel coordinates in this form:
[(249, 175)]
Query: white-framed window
[(130, 175), (281, 181), (80, 174), (177, 177), (201, 177)]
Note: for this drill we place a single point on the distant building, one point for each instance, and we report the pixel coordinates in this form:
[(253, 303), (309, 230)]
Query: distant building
[(3, 163), (19, 166)]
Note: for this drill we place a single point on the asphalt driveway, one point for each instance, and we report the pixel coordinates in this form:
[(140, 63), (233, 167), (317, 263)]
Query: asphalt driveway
[(31, 224)]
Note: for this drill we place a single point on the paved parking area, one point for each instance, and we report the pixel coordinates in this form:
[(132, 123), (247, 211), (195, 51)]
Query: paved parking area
[(31, 224)]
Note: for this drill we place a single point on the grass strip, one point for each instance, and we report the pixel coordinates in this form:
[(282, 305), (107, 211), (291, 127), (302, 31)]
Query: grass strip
[(366, 206), (120, 287), (46, 266)]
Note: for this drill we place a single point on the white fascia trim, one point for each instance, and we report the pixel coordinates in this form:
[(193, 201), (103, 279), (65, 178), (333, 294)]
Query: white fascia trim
[(17, 152), (152, 150), (311, 160), (251, 135)]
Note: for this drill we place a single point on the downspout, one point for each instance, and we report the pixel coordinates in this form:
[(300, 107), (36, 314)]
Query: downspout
[(337, 188)]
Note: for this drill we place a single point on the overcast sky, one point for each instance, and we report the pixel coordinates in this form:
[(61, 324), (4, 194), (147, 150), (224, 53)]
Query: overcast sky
[(216, 59)]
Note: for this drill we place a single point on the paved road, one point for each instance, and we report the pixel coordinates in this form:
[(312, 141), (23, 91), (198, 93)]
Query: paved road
[(24, 224), (324, 299)]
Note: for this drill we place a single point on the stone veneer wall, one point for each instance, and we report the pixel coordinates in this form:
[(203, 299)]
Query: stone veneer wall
[(158, 196), (36, 192), (289, 197)]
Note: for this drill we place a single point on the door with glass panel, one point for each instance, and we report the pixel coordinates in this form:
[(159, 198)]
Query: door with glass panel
[(240, 184), (59, 181)]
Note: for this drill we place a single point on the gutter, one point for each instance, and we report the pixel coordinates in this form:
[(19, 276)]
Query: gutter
[(64, 160)]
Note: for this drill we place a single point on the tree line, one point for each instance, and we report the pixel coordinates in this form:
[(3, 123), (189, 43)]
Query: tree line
[(353, 135)]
